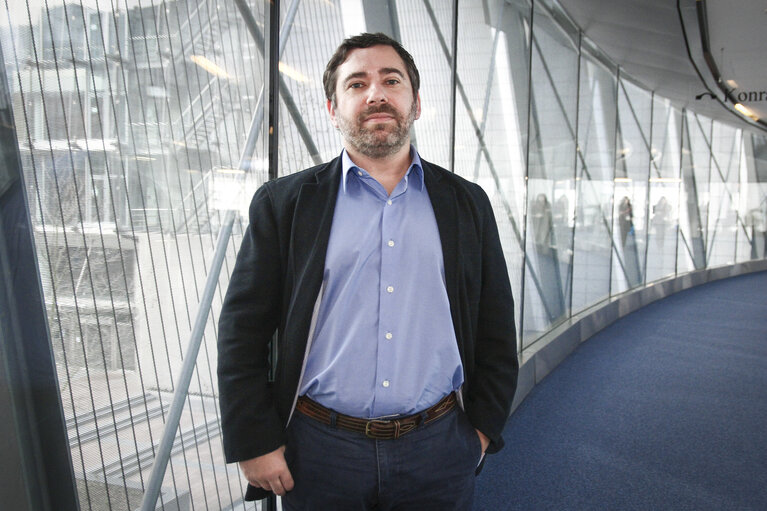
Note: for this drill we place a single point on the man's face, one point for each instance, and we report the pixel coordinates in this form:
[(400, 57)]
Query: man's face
[(374, 105)]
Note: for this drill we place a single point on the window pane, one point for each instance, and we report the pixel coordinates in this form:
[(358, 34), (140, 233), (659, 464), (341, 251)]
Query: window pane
[(551, 174), (666, 146), (131, 124), (596, 160), (632, 167), (491, 124)]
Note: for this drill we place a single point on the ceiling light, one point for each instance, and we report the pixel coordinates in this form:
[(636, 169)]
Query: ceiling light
[(746, 111), (665, 180), (292, 72), (229, 171), (209, 66)]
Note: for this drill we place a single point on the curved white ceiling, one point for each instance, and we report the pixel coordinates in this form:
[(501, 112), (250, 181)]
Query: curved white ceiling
[(650, 40)]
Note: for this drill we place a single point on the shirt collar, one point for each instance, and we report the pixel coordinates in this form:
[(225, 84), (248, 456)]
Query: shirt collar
[(414, 171)]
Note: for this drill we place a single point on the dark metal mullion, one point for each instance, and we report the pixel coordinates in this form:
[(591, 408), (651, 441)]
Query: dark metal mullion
[(521, 334), (453, 82), (274, 83), (274, 88)]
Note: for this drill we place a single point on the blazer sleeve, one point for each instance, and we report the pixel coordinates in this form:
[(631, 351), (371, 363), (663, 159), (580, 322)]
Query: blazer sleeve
[(249, 318), (494, 378)]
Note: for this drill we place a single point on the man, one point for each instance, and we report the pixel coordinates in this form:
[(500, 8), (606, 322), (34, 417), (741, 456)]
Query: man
[(384, 278)]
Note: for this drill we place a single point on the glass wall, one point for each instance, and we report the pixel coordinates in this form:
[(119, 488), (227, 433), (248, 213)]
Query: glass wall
[(131, 119), (140, 123), (551, 184)]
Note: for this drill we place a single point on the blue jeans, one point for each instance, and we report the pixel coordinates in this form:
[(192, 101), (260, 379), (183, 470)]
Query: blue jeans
[(430, 468)]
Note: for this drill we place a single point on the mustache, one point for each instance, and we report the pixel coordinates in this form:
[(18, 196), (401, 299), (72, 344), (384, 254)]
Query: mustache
[(381, 109)]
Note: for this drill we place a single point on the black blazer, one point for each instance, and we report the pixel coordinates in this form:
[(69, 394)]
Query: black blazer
[(277, 278)]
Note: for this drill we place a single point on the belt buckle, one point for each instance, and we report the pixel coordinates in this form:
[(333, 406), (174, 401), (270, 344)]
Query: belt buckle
[(371, 434)]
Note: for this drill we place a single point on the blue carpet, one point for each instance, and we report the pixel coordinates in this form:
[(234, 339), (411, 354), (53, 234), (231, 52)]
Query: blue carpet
[(664, 409)]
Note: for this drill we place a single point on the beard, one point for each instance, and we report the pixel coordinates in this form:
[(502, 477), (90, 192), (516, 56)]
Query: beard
[(378, 140)]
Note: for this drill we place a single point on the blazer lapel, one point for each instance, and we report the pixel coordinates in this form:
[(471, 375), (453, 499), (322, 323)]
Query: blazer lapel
[(443, 201), (312, 220)]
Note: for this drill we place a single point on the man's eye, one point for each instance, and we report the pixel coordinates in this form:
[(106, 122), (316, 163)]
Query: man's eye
[(355, 86), (392, 81)]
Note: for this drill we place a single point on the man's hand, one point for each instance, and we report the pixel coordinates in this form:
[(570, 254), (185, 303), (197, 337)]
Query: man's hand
[(269, 472), (483, 440)]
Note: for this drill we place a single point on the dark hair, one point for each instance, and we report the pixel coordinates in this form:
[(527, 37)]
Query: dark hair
[(366, 40)]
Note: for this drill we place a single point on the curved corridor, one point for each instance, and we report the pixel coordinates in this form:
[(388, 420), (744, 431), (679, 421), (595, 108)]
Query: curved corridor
[(664, 409)]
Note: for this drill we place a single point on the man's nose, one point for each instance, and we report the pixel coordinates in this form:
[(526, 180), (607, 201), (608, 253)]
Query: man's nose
[(376, 94)]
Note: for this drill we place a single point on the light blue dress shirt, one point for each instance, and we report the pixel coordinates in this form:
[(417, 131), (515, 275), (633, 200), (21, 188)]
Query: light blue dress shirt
[(383, 340)]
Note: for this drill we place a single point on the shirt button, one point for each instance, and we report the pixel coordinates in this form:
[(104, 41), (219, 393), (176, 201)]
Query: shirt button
[(389, 335), (359, 173), (388, 202), (390, 289), (385, 383), (391, 243)]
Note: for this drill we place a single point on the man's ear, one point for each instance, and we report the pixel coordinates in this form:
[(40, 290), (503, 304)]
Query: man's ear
[(332, 113), (418, 108)]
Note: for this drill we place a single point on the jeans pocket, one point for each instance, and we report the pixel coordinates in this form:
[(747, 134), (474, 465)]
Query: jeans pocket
[(474, 443), (478, 449)]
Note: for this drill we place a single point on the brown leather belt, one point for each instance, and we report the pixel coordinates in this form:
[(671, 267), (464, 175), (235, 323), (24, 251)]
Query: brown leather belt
[(380, 429)]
